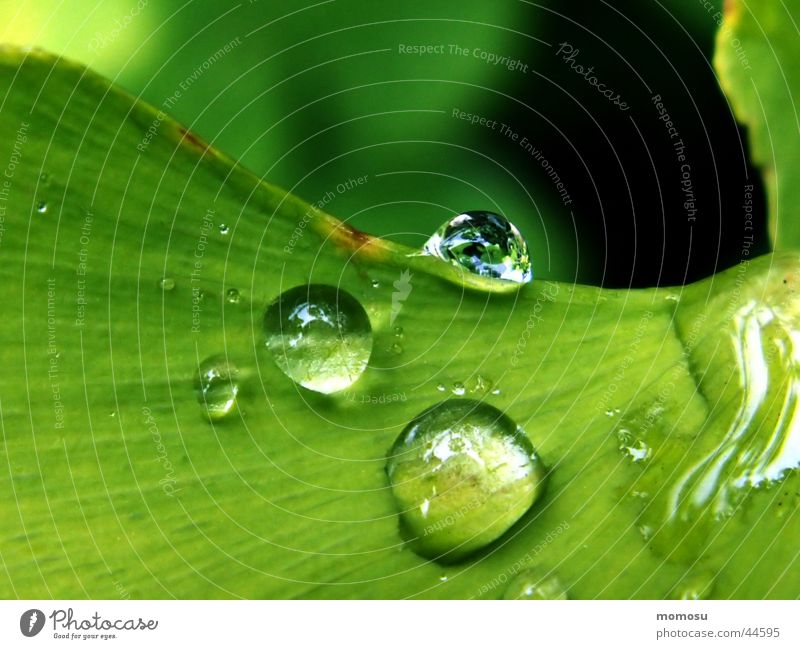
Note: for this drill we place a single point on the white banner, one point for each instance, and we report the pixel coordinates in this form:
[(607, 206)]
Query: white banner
[(404, 624)]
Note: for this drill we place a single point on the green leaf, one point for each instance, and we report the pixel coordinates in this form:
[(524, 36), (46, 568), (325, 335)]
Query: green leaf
[(756, 58), (115, 483)]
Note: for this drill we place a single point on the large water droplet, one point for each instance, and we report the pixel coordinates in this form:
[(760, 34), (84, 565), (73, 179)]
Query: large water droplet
[(216, 386), (462, 473), (534, 584), (41, 207), (319, 336), (483, 243)]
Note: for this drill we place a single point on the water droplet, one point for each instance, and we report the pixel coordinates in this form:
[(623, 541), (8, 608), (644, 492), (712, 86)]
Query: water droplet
[(44, 179), (481, 385), (483, 243), (637, 449), (496, 391), (459, 389), (698, 585), (462, 473), (441, 387), (396, 349), (41, 207), (375, 283), (319, 337), (166, 283), (443, 578), (223, 228), (232, 296), (216, 386), (534, 584), (398, 332)]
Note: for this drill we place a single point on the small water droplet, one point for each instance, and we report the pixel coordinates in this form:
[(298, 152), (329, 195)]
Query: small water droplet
[(223, 228), (496, 391), (216, 386), (483, 243), (459, 389), (41, 207), (375, 283), (534, 584), (636, 449), (232, 296), (474, 470), (166, 283), (481, 385), (396, 349), (697, 585), (398, 332), (319, 336), (443, 578), (441, 387), (44, 178)]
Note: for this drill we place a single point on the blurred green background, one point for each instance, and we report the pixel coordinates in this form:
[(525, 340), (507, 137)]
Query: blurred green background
[(312, 94)]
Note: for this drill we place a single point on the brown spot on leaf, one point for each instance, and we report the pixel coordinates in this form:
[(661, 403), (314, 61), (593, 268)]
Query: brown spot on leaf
[(192, 139)]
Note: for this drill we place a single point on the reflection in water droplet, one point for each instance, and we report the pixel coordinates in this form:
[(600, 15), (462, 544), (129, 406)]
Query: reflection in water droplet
[(483, 243), (375, 283), (41, 207), (166, 283), (319, 336), (232, 296), (459, 389), (398, 332), (462, 473), (441, 387), (216, 386), (223, 228), (534, 584)]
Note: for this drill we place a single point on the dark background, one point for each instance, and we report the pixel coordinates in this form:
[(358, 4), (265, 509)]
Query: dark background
[(315, 93)]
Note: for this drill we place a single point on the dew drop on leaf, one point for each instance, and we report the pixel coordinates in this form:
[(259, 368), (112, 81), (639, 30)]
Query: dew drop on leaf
[(533, 584), (483, 243), (166, 283), (462, 473), (216, 386), (458, 389), (232, 296), (696, 585), (41, 207), (223, 228), (319, 336)]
